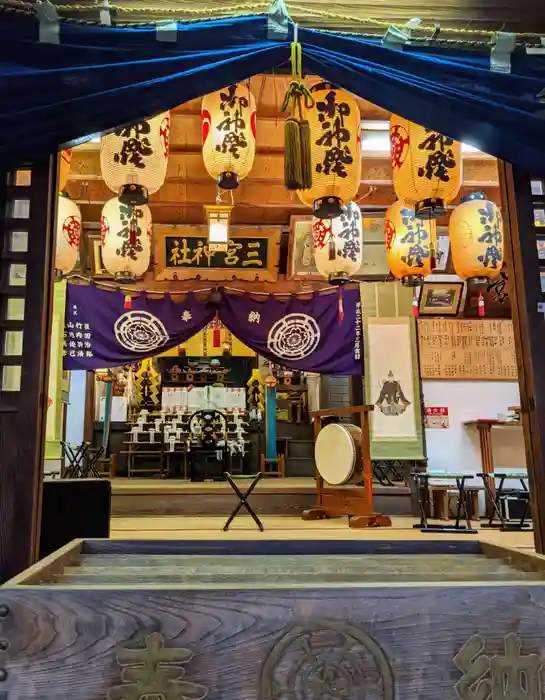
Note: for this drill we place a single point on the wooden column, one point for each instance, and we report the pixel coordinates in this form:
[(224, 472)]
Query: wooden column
[(522, 197), (27, 233)]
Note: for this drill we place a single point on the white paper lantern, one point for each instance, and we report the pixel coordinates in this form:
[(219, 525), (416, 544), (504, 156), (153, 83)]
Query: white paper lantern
[(126, 239), (133, 159), (338, 244), (228, 121), (68, 235)]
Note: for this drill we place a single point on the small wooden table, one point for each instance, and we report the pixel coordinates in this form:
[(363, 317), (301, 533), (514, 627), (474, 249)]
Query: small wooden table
[(422, 480), (484, 427), (497, 494)]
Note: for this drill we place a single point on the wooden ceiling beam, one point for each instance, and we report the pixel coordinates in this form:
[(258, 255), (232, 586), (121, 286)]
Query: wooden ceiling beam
[(188, 167)]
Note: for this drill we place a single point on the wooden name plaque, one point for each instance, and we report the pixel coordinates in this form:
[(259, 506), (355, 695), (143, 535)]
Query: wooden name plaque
[(472, 349)]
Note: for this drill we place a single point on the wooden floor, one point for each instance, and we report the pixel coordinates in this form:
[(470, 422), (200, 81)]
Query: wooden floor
[(272, 497), (123, 486), (286, 527)]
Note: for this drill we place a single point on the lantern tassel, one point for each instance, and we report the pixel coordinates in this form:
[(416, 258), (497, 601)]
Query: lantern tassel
[(297, 148), (216, 335), (128, 302), (415, 304), (306, 154), (481, 305), (340, 305), (293, 173)]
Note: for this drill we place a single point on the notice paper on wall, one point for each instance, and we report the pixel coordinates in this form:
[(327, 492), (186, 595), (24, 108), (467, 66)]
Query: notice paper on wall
[(436, 417)]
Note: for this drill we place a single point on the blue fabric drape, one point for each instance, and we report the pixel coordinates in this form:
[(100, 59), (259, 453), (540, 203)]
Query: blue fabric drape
[(97, 78), (452, 91)]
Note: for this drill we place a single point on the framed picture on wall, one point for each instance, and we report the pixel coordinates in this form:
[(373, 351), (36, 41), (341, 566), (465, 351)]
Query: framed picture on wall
[(440, 298), (98, 271), (301, 263)]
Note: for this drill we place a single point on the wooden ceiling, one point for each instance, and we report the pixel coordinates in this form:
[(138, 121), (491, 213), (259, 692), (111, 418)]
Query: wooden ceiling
[(260, 199), (344, 15)]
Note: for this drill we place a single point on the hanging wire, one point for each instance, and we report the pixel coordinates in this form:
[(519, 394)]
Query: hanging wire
[(180, 9)]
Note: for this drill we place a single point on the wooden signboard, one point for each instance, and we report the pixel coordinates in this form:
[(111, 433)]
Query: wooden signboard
[(472, 349), (183, 253)]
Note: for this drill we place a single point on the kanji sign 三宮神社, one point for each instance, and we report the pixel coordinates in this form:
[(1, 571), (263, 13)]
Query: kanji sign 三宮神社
[(195, 252), (184, 252)]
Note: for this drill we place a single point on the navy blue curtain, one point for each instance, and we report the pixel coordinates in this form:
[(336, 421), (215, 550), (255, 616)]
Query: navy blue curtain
[(453, 91), (97, 78)]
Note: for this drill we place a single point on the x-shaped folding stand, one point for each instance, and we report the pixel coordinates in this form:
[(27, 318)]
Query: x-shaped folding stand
[(243, 499)]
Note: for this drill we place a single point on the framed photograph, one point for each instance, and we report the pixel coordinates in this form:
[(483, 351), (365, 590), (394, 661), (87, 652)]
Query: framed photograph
[(441, 254), (301, 265), (98, 270), (440, 298)]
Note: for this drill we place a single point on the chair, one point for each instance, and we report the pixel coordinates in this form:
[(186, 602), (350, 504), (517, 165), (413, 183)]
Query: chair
[(274, 466)]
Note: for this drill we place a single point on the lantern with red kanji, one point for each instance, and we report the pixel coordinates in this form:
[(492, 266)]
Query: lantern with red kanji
[(427, 167), (68, 235), (126, 233), (229, 134), (338, 244), (334, 122), (134, 158), (410, 244)]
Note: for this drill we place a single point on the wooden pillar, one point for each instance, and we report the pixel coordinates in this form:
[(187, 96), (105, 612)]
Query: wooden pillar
[(89, 413), (522, 194), (27, 234)]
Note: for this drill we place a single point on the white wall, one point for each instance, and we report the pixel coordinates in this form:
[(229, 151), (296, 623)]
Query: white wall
[(75, 413), (457, 447)]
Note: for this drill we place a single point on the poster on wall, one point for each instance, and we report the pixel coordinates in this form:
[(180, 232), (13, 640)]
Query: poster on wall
[(390, 372), (436, 417)]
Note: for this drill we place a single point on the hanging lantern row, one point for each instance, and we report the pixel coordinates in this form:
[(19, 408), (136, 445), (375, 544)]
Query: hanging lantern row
[(427, 167), (228, 122), (134, 158), (125, 233), (335, 143), (68, 235)]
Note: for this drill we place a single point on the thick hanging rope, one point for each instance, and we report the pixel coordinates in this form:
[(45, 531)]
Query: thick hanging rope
[(297, 150)]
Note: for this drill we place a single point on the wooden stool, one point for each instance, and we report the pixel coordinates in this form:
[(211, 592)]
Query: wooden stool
[(278, 462)]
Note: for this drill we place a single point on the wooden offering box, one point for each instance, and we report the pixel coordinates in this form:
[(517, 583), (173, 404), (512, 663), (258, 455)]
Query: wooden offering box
[(275, 620)]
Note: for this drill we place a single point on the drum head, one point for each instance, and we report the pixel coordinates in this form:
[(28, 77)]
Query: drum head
[(335, 452)]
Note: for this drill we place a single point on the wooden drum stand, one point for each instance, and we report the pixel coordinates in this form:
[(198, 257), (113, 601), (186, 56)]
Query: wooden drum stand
[(354, 501)]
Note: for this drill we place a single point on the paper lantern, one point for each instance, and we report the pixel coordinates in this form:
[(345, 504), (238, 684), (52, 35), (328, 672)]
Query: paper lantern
[(334, 122), (228, 134), (65, 160), (410, 244), (476, 238), (68, 235), (427, 167), (338, 244), (126, 239), (133, 159)]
